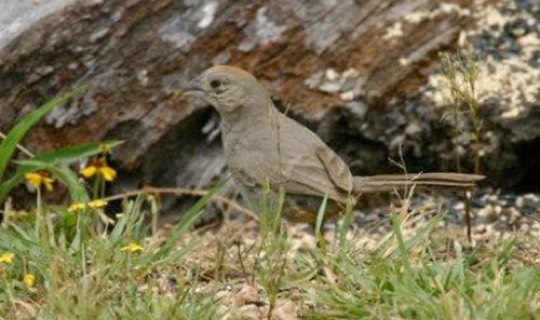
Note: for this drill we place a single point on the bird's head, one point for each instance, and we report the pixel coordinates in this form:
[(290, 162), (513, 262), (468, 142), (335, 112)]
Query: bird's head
[(228, 89)]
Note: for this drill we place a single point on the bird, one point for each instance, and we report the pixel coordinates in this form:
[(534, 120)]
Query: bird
[(265, 147)]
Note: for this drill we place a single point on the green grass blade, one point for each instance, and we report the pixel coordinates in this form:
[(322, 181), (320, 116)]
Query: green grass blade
[(320, 217), (8, 146), (8, 185), (344, 227), (402, 247)]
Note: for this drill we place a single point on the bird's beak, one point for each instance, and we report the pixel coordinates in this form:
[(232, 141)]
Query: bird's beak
[(192, 89), (194, 85)]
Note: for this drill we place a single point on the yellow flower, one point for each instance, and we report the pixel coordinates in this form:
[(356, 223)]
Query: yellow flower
[(29, 280), (99, 167), (94, 204), (7, 257), (98, 203), (133, 247), (76, 206), (36, 179)]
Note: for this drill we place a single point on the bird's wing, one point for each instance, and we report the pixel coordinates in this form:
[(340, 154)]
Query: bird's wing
[(337, 170), (320, 172)]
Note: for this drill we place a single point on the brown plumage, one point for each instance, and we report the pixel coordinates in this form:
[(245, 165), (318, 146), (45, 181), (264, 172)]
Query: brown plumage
[(262, 145)]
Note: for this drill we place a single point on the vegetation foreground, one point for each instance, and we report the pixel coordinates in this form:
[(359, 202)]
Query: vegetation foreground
[(79, 265)]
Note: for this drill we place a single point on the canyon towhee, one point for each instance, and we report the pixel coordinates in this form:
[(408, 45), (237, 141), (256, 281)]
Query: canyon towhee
[(264, 146)]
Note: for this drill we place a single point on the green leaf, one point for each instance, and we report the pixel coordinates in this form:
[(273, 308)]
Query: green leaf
[(8, 146), (75, 153)]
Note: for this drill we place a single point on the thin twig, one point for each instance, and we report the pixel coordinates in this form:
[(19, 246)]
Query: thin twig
[(20, 147)]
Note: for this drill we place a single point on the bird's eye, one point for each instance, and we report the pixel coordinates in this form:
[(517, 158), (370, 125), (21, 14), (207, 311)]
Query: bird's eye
[(215, 83)]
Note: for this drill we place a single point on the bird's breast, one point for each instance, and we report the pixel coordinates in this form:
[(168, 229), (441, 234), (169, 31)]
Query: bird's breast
[(253, 154)]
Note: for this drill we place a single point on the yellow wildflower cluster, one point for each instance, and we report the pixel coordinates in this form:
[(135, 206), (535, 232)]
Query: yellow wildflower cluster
[(29, 279), (133, 247), (94, 204)]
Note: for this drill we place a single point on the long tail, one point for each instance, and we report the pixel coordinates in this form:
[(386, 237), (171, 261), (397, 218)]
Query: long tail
[(390, 182)]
